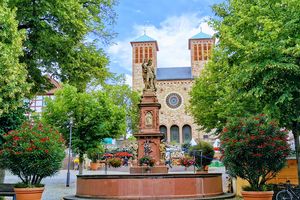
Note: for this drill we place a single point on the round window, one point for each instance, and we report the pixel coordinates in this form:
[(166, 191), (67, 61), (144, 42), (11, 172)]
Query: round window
[(173, 100)]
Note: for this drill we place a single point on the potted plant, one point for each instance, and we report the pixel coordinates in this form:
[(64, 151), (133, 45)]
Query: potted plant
[(147, 161), (186, 162), (203, 153), (93, 154), (255, 149), (114, 162), (33, 152)]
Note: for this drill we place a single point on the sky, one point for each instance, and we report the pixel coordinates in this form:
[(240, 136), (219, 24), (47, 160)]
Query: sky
[(170, 22)]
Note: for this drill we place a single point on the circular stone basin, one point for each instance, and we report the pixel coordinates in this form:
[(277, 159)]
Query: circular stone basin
[(149, 186)]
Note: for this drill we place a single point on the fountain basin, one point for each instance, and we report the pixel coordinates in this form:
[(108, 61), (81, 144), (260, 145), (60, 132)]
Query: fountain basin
[(149, 186)]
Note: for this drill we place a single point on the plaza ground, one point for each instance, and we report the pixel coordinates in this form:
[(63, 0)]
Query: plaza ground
[(55, 187)]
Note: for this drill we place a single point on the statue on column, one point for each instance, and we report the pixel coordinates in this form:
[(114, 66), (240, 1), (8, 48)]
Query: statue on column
[(149, 76)]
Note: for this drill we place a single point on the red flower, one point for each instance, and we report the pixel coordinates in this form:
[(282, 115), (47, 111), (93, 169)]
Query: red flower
[(123, 154), (44, 139), (29, 149), (16, 138)]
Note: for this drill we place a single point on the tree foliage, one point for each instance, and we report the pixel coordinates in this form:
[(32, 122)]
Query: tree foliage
[(13, 120), (95, 117), (13, 86), (57, 42), (122, 95), (255, 67)]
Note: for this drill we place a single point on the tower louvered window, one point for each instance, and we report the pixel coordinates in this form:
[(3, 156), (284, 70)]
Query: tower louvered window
[(150, 53), (209, 50), (136, 57), (141, 54), (200, 52), (205, 51), (146, 53), (195, 53)]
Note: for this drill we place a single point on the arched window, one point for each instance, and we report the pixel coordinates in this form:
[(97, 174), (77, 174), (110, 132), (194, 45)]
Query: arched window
[(163, 130), (186, 133), (174, 134)]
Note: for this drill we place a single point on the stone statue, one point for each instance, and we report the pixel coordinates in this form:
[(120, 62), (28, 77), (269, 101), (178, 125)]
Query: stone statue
[(149, 76), (149, 120), (147, 148)]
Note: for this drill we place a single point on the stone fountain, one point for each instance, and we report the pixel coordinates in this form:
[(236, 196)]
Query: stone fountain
[(155, 183)]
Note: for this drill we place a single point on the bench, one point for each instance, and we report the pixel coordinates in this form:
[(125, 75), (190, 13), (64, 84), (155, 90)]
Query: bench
[(7, 190)]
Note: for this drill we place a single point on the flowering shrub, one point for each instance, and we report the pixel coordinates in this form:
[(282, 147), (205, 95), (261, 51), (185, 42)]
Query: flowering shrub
[(107, 155), (115, 162), (147, 160), (33, 152), (186, 161), (123, 154), (254, 149)]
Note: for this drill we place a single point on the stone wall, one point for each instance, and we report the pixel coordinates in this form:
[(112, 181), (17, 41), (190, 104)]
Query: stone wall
[(176, 116)]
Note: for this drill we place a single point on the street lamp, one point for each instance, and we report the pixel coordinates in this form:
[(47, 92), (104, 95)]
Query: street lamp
[(70, 146)]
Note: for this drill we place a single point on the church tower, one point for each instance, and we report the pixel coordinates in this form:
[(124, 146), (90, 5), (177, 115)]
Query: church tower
[(200, 46), (143, 48)]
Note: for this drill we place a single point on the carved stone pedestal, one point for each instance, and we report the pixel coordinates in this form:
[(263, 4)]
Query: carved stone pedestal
[(149, 136)]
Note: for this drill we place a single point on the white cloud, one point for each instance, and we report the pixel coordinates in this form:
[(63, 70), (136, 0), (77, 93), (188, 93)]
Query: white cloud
[(128, 79), (172, 36)]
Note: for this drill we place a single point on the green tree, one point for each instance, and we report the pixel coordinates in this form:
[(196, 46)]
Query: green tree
[(122, 95), (259, 49), (13, 120), (59, 39), (95, 117), (13, 86), (216, 95)]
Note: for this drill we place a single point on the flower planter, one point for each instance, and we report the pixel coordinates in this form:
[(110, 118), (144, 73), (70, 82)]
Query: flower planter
[(257, 195), (29, 193), (94, 166)]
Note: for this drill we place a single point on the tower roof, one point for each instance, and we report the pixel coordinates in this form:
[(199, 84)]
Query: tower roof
[(145, 38), (201, 35)]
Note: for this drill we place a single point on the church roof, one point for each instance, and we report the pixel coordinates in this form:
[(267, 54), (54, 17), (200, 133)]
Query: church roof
[(201, 35), (174, 73), (144, 38)]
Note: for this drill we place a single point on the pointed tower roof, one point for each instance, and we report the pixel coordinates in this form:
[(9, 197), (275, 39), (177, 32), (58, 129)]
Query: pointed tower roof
[(145, 38), (199, 36)]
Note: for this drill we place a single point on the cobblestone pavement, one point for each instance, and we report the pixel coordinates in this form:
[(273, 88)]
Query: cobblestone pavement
[(55, 187)]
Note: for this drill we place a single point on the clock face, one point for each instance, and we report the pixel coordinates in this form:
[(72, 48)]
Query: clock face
[(173, 100)]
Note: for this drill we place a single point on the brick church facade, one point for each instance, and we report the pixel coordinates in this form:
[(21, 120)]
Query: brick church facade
[(173, 85)]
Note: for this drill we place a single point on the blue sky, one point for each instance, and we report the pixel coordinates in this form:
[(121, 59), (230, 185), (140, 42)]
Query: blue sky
[(170, 22)]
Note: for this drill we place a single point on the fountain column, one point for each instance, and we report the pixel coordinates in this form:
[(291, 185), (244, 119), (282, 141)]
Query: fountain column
[(149, 137)]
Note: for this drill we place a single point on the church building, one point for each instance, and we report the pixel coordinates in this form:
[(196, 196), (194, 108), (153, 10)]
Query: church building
[(173, 85)]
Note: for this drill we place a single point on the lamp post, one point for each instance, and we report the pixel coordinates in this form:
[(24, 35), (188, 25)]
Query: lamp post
[(70, 146)]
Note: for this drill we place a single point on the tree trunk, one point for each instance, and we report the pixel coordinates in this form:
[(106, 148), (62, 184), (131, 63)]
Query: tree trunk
[(80, 163), (297, 146), (2, 175)]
